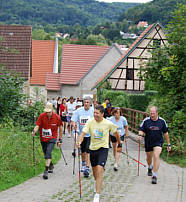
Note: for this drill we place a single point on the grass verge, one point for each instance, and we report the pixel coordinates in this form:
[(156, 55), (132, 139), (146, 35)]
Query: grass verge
[(179, 160), (16, 157)]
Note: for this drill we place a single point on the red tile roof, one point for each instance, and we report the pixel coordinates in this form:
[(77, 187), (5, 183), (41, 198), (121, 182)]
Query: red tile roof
[(42, 60), (52, 81), (142, 24), (17, 40), (77, 61), (124, 55)]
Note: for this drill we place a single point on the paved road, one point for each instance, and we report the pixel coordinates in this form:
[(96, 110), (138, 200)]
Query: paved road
[(124, 185)]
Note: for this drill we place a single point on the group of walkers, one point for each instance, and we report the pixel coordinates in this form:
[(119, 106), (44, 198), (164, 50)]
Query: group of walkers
[(92, 128)]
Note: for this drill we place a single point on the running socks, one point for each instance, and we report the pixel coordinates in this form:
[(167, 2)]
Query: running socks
[(150, 167), (155, 174)]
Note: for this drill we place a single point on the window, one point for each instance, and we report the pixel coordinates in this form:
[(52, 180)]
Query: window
[(130, 74)]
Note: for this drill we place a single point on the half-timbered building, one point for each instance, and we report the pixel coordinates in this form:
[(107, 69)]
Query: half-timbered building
[(124, 74)]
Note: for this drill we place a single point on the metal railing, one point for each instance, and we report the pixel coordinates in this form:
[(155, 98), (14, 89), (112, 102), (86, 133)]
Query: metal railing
[(134, 118)]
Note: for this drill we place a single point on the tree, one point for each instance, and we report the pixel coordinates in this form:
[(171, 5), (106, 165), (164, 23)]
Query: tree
[(166, 71)]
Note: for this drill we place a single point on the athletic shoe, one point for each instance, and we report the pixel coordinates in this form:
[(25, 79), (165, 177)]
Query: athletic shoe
[(83, 167), (51, 168), (115, 167), (45, 175), (149, 172), (154, 180), (86, 172), (69, 135), (96, 198)]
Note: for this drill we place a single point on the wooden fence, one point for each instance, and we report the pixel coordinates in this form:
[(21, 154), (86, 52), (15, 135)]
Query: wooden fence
[(134, 118)]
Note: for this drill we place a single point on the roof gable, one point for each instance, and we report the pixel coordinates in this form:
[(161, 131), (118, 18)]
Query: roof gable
[(42, 60), (77, 60), (17, 42), (131, 49)]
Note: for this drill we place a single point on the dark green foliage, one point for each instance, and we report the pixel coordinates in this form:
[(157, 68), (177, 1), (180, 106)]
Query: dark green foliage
[(154, 11), (27, 115), (11, 94), (57, 12), (134, 101), (117, 98), (138, 101), (166, 72)]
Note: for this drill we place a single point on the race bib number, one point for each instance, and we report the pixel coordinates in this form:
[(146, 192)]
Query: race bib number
[(46, 133), (98, 134), (83, 120)]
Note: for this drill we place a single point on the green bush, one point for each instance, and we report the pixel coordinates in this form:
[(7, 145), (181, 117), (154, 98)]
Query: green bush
[(117, 98), (177, 131), (138, 101), (133, 101), (11, 93)]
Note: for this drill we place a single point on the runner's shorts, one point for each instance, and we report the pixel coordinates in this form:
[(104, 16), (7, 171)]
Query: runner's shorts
[(98, 157), (63, 118), (114, 140), (68, 118), (150, 148), (85, 145), (48, 147)]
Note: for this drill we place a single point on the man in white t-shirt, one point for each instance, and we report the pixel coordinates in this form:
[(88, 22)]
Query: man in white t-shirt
[(79, 119)]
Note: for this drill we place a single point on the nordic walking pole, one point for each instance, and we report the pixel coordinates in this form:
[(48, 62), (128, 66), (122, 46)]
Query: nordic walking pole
[(167, 156), (34, 159), (134, 159), (127, 153), (74, 153), (138, 157), (79, 154), (63, 155)]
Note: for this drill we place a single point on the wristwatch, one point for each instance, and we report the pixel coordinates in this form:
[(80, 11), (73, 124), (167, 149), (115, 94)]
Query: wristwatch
[(168, 145), (119, 145)]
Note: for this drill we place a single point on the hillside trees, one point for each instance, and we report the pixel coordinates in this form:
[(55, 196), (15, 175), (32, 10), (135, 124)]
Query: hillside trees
[(166, 71), (154, 11)]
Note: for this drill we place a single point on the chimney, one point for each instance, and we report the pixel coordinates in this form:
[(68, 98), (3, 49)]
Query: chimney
[(55, 66)]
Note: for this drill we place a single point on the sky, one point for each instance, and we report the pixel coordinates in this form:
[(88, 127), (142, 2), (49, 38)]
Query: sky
[(131, 1)]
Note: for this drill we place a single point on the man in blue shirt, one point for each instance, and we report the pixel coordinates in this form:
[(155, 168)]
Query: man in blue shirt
[(153, 128), (79, 118)]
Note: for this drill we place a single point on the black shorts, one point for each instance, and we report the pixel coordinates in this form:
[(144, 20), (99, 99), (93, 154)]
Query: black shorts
[(85, 145), (63, 118), (150, 148), (48, 147), (114, 140), (98, 157)]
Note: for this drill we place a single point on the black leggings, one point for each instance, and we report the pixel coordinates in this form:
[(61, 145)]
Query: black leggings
[(47, 149)]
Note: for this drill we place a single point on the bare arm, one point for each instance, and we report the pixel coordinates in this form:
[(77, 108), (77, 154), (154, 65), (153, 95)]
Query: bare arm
[(36, 128), (168, 141), (116, 134), (60, 132), (81, 139), (119, 148), (126, 133)]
